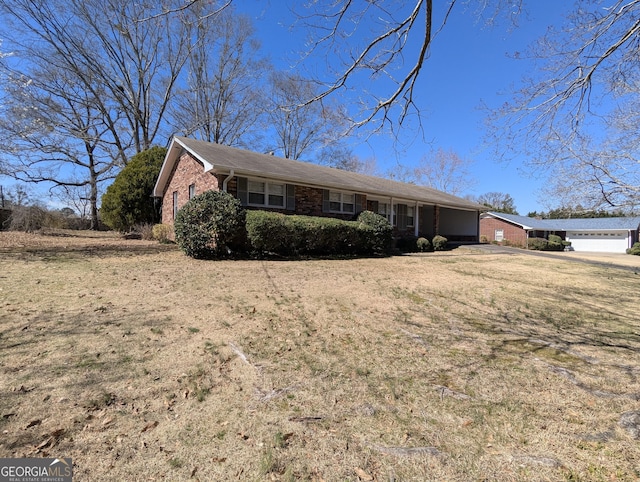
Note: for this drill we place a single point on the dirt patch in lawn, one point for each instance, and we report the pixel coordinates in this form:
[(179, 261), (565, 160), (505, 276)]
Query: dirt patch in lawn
[(140, 363)]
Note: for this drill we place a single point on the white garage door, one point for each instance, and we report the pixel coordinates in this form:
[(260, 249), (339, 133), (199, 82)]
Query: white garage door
[(603, 242)]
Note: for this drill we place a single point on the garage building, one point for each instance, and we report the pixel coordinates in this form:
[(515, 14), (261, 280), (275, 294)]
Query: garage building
[(604, 235)]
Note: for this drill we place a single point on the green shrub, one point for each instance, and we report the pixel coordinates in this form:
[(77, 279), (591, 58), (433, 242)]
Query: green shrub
[(538, 244), (128, 202), (635, 249), (379, 235), (423, 244), (554, 238), (294, 235), (439, 243), (555, 243), (211, 225)]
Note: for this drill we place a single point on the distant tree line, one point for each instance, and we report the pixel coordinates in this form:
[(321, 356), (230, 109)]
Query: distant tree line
[(574, 212)]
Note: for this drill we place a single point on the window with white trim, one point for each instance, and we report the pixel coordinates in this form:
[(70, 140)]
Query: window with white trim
[(261, 193), (499, 235), (192, 191), (340, 202), (410, 215), (384, 209)]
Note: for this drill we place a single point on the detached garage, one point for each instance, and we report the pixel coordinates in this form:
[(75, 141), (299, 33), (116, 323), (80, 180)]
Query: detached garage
[(603, 235)]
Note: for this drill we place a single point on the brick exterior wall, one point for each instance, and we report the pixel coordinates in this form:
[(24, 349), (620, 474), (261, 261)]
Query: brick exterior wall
[(512, 233), (308, 200), (187, 171)]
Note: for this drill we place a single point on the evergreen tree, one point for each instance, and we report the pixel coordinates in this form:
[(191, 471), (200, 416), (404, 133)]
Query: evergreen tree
[(128, 200)]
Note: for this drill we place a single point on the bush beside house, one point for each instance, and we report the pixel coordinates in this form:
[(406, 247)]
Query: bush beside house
[(211, 225), (294, 235), (214, 225)]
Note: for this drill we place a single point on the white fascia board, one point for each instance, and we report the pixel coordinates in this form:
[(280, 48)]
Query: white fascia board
[(173, 153)]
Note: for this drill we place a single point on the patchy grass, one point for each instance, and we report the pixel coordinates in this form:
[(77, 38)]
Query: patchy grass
[(138, 362)]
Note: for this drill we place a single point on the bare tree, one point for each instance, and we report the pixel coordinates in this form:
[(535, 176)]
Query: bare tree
[(340, 156), (300, 128), (54, 134), (445, 171), (88, 86), (496, 201), (384, 44), (223, 102), (576, 119)]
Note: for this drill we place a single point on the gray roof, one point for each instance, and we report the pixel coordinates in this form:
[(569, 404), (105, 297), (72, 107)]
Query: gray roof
[(224, 159), (578, 224)]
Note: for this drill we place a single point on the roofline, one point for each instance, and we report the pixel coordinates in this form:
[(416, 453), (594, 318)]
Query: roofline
[(548, 224), (298, 182), (497, 215), (176, 146)]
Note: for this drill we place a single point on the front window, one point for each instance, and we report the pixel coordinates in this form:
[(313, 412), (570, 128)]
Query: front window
[(266, 194), (385, 210), (340, 202), (192, 191), (410, 215), (499, 235)]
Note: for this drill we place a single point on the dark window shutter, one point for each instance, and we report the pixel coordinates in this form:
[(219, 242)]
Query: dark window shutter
[(242, 190), (360, 200), (291, 197), (325, 201), (401, 211)]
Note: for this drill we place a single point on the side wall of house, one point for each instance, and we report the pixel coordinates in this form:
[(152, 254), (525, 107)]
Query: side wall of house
[(187, 171), (512, 233)]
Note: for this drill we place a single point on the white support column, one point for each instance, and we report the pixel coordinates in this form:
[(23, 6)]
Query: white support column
[(393, 213), (416, 220)]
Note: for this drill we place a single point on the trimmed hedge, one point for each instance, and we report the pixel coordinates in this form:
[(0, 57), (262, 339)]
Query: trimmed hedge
[(439, 243), (423, 245), (211, 225), (377, 230), (295, 235), (554, 243)]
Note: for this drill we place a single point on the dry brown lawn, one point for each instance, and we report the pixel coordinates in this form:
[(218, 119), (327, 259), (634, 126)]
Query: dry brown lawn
[(143, 364)]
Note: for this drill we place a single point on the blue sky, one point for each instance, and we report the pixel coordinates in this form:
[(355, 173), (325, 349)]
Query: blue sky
[(469, 65)]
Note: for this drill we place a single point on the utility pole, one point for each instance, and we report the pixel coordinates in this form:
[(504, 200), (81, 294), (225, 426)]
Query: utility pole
[(1, 197)]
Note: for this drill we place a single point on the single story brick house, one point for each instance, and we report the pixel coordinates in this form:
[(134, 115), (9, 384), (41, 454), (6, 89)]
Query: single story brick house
[(267, 182), (605, 235)]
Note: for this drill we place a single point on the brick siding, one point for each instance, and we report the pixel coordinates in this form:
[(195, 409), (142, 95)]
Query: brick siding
[(512, 233), (187, 171)]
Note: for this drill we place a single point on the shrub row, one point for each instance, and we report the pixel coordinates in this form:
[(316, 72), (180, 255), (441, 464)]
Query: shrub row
[(554, 243), (411, 244), (287, 235), (214, 224)]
